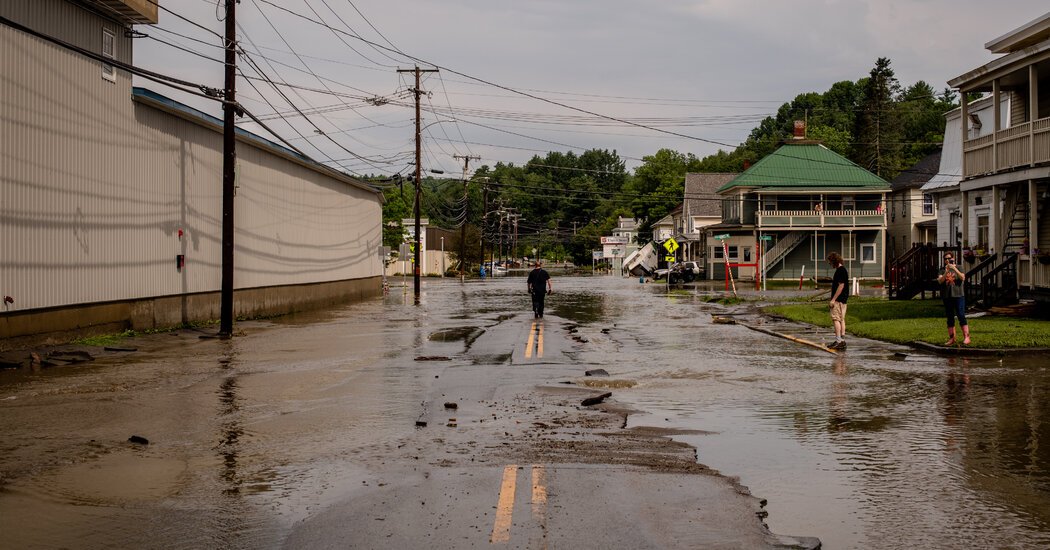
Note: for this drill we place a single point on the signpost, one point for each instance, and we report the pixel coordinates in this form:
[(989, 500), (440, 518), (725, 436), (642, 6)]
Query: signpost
[(671, 246), (762, 250), (725, 256)]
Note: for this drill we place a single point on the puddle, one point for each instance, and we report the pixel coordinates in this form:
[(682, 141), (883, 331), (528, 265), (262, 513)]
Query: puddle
[(117, 478)]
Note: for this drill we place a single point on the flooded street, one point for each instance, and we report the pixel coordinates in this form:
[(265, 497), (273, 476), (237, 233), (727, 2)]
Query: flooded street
[(288, 433)]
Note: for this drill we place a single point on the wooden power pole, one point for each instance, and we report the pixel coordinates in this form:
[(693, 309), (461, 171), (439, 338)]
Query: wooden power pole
[(418, 92), (463, 224), (229, 171)]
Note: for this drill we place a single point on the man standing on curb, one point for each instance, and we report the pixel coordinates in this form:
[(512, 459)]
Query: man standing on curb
[(839, 296), (539, 283)]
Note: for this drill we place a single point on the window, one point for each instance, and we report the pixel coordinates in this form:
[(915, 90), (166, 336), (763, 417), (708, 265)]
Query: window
[(867, 253), (747, 253), (849, 243), (718, 253), (927, 204), (848, 203), (109, 49), (982, 231), (734, 252), (817, 246)]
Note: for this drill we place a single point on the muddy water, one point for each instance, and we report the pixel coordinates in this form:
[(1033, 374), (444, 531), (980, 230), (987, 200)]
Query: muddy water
[(249, 436), (863, 449)]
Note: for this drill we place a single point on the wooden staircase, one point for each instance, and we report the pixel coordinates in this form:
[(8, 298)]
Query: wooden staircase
[(1016, 216), (784, 247), (915, 272), (993, 282)]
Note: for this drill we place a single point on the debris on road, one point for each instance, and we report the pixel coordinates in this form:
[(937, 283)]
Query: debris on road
[(451, 405), (596, 372), (138, 439), (595, 400)]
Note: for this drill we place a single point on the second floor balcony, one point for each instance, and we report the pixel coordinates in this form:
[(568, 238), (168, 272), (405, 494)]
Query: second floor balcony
[(1019, 146), (802, 219)]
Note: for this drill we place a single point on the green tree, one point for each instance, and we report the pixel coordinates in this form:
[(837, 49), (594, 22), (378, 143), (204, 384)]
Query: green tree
[(658, 186), (878, 131)]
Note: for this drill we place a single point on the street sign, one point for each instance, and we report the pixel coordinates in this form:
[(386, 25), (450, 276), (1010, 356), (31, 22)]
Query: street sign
[(722, 237), (668, 258), (596, 254), (766, 238), (671, 245)]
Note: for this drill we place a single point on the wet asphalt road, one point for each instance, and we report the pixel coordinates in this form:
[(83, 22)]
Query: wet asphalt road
[(301, 433)]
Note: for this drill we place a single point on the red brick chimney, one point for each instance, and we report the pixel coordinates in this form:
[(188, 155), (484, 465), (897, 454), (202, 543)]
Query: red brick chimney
[(800, 129)]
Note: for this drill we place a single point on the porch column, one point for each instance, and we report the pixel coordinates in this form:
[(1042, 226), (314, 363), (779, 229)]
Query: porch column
[(997, 124), (964, 213), (965, 120), (993, 225), (1033, 231), (1033, 109)]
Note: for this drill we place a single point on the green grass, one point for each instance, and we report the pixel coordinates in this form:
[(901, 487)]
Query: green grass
[(919, 320), (103, 340)]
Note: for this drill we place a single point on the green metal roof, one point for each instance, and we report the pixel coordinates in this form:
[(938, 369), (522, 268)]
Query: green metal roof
[(806, 165)]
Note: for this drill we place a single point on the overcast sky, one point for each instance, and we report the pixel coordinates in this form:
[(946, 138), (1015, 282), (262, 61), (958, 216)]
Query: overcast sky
[(708, 70)]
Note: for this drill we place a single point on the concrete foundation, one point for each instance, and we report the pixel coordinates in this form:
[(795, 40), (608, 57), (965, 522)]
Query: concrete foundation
[(59, 325)]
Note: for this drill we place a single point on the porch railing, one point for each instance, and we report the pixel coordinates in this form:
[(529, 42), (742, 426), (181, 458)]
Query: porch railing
[(819, 218), (999, 286), (1015, 147)]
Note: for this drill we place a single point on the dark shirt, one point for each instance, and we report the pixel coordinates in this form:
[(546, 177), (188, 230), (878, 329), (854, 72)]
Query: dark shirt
[(841, 278), (952, 287), (537, 280)]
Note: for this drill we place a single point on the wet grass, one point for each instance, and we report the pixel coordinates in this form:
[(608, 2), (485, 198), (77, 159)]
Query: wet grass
[(103, 340), (919, 320)]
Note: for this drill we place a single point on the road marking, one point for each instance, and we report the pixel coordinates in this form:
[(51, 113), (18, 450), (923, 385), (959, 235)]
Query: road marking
[(505, 505), (532, 336), (539, 343), (539, 501)]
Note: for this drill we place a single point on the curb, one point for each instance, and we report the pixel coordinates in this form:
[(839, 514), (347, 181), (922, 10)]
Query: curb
[(959, 350)]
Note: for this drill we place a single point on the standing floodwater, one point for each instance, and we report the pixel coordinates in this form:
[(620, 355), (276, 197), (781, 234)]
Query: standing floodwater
[(876, 447)]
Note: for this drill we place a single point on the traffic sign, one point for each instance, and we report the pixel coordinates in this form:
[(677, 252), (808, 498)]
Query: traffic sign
[(668, 258), (671, 245)]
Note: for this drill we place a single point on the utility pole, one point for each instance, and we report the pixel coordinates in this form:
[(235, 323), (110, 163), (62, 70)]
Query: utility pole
[(484, 218), (417, 91), (463, 224), (229, 171)]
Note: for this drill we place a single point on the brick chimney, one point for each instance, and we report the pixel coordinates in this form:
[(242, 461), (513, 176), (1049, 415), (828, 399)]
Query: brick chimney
[(800, 129)]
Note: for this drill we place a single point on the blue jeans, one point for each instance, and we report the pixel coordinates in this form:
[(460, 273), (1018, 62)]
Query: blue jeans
[(955, 307)]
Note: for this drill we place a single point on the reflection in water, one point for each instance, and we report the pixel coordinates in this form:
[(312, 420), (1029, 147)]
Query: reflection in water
[(230, 429), (582, 307)]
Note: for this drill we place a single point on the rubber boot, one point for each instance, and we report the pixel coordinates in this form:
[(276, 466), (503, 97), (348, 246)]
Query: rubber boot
[(966, 335), (951, 337)]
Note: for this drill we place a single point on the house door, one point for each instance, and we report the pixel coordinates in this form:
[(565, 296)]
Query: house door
[(954, 229)]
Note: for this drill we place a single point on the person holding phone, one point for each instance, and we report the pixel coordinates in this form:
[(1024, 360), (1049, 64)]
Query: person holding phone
[(951, 280)]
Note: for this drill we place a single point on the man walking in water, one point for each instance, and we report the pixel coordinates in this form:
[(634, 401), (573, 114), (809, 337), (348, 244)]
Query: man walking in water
[(539, 282), (839, 296)]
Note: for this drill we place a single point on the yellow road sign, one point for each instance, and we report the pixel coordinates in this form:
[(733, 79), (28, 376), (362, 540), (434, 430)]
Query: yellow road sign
[(671, 245)]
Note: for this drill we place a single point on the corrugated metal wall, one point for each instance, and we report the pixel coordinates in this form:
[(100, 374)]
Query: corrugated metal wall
[(95, 186)]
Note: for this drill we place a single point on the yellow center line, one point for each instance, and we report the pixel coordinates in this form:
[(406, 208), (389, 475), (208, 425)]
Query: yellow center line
[(532, 335), (539, 505), (539, 494), (539, 343), (505, 505)]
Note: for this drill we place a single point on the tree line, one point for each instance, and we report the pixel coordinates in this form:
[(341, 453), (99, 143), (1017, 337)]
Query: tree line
[(562, 203)]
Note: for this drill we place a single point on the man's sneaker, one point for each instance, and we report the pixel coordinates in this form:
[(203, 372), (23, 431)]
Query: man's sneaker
[(840, 345)]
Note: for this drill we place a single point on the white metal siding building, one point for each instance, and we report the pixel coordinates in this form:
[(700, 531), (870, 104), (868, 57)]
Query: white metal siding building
[(103, 186)]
